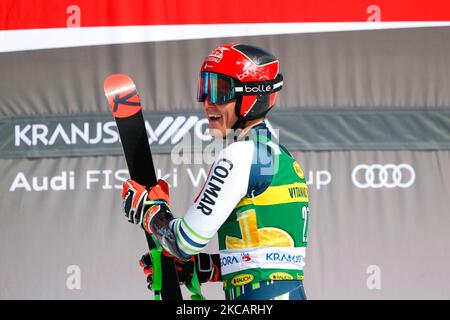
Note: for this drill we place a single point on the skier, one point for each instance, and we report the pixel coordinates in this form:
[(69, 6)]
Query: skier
[(255, 195)]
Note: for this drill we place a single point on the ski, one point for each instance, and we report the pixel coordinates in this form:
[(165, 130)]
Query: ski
[(126, 108)]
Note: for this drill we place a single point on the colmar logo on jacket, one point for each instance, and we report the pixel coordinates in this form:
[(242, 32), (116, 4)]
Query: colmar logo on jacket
[(220, 171)]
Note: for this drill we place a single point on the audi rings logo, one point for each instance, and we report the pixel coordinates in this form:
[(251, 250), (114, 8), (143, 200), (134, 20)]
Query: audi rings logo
[(383, 176)]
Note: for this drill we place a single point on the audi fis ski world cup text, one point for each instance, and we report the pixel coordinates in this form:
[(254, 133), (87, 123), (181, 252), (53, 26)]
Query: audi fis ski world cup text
[(363, 176)]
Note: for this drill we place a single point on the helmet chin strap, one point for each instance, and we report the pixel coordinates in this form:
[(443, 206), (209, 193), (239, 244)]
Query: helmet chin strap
[(240, 122), (238, 126)]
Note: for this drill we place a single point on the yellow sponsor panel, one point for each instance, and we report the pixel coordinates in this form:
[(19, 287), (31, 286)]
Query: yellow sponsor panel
[(294, 192), (298, 170), (242, 279), (281, 276)]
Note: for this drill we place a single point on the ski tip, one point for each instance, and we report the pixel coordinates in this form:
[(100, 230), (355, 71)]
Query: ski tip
[(122, 96)]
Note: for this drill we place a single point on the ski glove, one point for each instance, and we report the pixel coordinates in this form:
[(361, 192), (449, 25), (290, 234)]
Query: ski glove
[(140, 204), (206, 266)]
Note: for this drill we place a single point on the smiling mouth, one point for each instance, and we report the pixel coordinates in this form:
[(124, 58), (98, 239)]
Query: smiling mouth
[(214, 116)]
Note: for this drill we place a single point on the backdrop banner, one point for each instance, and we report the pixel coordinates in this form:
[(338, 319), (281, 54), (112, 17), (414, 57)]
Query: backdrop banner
[(378, 220), (366, 113), (96, 134)]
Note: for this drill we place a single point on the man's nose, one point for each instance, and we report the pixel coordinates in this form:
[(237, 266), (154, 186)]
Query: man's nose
[(207, 102)]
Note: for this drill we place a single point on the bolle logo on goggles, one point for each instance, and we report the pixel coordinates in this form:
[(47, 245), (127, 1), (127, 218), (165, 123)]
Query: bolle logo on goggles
[(258, 89), (242, 279)]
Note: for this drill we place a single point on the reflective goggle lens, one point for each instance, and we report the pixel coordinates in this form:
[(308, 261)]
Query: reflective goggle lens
[(219, 88)]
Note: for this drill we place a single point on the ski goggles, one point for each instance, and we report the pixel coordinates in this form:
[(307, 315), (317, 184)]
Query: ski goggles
[(221, 89)]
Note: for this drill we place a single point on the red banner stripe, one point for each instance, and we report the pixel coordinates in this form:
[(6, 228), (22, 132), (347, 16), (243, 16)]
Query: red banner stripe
[(30, 14)]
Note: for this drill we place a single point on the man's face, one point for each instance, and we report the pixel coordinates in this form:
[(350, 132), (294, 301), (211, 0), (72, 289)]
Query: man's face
[(220, 117)]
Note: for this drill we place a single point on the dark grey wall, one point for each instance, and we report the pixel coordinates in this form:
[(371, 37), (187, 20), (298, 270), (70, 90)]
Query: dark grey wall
[(406, 68)]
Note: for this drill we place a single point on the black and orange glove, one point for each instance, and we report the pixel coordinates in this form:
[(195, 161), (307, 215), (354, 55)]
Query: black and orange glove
[(140, 204), (206, 266)]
